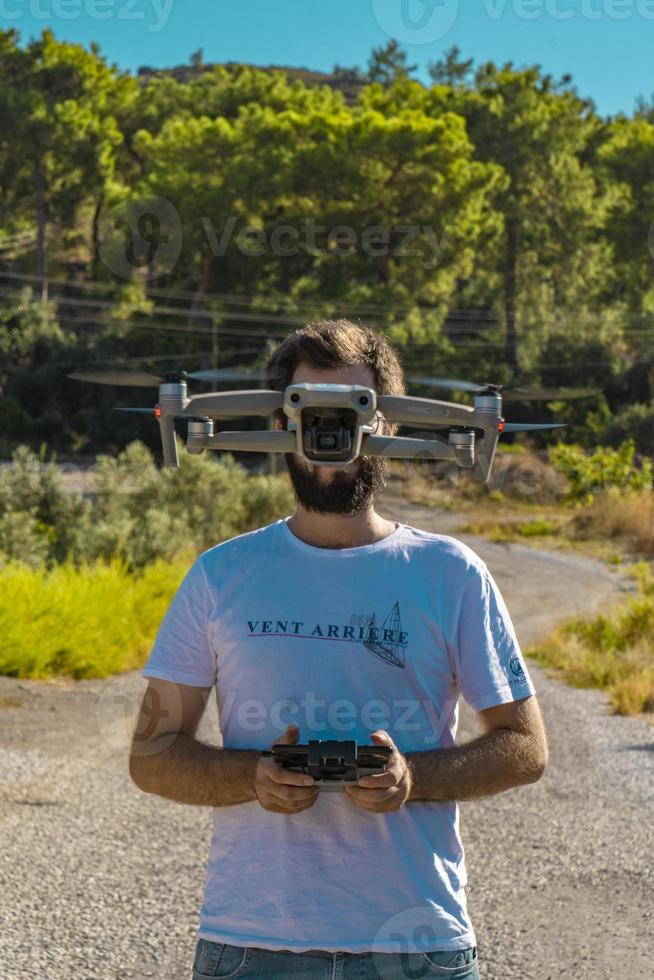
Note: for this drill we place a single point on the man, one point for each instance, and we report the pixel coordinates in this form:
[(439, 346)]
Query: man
[(347, 626)]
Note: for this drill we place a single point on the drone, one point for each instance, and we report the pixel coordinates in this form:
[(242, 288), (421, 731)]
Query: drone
[(332, 425)]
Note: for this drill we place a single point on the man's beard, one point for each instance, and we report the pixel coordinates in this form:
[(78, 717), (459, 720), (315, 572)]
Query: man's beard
[(346, 493)]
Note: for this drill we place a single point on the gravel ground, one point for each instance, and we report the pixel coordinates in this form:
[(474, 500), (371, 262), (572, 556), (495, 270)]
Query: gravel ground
[(99, 880)]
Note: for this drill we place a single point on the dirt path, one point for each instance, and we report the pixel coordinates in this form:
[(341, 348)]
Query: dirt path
[(101, 881)]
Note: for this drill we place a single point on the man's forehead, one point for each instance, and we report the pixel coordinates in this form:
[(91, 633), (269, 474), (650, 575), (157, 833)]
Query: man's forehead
[(347, 374)]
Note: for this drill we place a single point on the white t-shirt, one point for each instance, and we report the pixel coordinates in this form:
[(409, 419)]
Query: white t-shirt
[(343, 642)]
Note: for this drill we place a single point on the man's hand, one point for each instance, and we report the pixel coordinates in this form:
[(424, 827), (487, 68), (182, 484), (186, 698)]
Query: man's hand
[(279, 789), (384, 791)]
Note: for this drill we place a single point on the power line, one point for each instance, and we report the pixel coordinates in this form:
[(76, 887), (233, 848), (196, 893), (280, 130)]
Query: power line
[(227, 333), (317, 306), (109, 361), (171, 311), (164, 311), (243, 299)]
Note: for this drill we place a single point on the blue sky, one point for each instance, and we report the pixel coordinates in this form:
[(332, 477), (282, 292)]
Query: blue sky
[(606, 45)]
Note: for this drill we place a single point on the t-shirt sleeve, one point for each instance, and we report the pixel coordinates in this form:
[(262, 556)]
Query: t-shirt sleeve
[(182, 651), (488, 664)]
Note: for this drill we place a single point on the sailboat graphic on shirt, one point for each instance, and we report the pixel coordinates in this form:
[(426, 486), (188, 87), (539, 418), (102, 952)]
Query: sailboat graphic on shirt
[(391, 649)]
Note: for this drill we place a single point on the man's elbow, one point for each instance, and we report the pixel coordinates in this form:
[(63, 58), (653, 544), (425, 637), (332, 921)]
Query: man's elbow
[(147, 761), (134, 770), (538, 761)]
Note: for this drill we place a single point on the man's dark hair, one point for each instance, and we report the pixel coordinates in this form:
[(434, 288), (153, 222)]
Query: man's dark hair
[(335, 343)]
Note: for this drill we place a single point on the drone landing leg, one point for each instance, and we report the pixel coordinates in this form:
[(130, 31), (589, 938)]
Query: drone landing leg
[(170, 457)]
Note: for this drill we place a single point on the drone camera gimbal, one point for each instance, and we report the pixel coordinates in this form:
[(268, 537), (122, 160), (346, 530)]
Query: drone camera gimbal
[(330, 420)]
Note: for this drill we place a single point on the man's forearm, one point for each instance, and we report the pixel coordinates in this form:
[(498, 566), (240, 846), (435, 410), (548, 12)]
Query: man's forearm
[(189, 771), (492, 763)]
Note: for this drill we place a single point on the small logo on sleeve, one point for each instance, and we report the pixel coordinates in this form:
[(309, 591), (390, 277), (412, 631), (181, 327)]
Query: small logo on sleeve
[(516, 668)]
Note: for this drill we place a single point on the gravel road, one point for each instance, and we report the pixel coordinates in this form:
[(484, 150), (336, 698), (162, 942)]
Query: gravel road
[(99, 880)]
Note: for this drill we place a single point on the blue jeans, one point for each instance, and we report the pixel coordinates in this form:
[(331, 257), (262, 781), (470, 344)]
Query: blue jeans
[(251, 963)]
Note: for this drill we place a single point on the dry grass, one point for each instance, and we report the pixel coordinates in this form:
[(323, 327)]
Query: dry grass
[(522, 503), (613, 651), (519, 478), (627, 677), (625, 516)]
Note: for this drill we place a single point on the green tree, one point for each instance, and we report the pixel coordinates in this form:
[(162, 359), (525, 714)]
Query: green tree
[(24, 323), (347, 186), (451, 69), (389, 63), (554, 258), (64, 137), (628, 156), (644, 107)]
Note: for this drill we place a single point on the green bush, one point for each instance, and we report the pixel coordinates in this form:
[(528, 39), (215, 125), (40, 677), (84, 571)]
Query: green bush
[(86, 582), (635, 421), (90, 621), (33, 488), (23, 538), (604, 469), (536, 527), (136, 511)]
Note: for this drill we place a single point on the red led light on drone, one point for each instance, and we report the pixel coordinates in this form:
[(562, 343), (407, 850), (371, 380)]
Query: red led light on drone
[(157, 411), (500, 425)]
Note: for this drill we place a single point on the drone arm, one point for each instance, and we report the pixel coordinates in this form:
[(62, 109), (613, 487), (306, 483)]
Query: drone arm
[(424, 412), (255, 442), (167, 428), (402, 447), (233, 404), (285, 442)]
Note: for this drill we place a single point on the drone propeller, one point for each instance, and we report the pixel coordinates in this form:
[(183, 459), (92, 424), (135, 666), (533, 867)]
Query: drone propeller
[(549, 394), (227, 374), (510, 392), (139, 379), (530, 426), (132, 379), (449, 383), (135, 411)]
